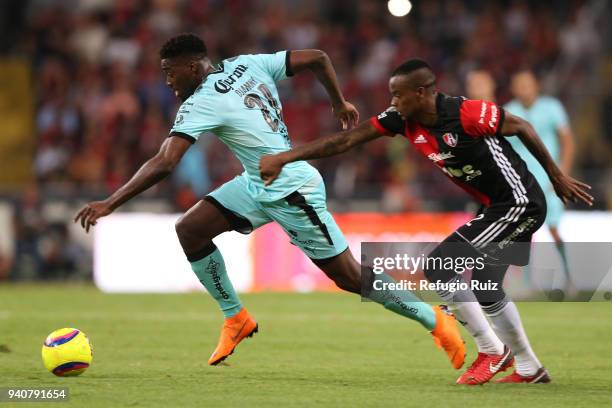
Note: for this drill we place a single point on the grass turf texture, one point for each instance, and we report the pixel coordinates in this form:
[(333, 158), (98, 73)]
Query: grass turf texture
[(312, 349)]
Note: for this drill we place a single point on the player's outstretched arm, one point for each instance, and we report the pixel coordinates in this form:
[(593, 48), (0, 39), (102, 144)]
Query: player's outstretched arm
[(149, 174), (319, 63), (567, 188), (270, 166)]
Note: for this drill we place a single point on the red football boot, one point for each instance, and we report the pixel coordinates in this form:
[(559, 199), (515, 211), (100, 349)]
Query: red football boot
[(540, 377), (486, 366)]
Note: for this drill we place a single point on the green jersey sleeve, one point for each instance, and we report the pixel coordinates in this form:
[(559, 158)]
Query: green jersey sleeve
[(276, 65), (558, 114), (193, 119)]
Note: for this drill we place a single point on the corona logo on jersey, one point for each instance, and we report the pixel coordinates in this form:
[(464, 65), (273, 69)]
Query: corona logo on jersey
[(225, 85)]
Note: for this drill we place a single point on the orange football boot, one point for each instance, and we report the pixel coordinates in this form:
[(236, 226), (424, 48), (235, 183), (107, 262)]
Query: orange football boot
[(446, 336), (234, 330)]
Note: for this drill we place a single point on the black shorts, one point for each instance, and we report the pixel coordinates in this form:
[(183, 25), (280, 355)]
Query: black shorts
[(503, 232)]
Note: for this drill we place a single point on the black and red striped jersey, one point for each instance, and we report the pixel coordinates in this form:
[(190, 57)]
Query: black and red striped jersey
[(466, 144)]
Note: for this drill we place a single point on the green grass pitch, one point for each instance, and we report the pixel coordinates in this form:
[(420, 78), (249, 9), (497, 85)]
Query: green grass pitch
[(325, 349)]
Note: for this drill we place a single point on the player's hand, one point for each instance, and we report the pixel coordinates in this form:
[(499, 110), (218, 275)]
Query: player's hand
[(569, 189), (88, 215), (347, 114), (270, 167)]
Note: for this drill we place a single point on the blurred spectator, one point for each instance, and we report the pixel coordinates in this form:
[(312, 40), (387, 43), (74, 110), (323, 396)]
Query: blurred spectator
[(103, 108), (29, 225), (44, 250)]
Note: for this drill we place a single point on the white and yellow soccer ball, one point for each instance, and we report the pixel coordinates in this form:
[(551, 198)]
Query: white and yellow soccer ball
[(67, 352)]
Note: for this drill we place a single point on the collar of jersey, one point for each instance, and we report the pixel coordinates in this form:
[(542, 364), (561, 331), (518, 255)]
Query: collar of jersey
[(220, 67), (217, 69)]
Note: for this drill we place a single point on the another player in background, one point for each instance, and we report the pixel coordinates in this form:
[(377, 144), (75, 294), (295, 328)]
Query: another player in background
[(464, 139), (238, 102), (480, 85), (550, 121)]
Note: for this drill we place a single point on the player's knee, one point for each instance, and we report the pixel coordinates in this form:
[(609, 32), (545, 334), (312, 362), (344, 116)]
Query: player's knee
[(488, 287), (434, 274), (181, 227), (356, 284), (355, 280), (366, 281), (348, 285), (187, 237), (429, 270), (348, 281), (430, 274), (489, 296)]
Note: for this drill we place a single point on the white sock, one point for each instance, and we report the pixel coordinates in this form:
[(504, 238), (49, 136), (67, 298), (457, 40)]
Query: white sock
[(466, 308), (506, 322), (477, 325)]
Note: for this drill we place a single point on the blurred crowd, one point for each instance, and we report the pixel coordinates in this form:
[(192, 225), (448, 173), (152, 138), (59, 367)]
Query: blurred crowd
[(103, 108)]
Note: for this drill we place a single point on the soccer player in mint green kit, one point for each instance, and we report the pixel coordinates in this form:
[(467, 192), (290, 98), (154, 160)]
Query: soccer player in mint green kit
[(550, 121), (237, 101)]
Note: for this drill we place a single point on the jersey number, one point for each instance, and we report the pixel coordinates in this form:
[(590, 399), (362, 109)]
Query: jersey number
[(254, 101)]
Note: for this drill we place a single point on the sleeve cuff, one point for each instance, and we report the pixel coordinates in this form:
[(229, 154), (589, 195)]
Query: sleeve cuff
[(500, 124), (185, 136), (288, 70), (379, 128)]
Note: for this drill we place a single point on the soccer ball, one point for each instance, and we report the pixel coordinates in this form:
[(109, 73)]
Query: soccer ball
[(67, 352)]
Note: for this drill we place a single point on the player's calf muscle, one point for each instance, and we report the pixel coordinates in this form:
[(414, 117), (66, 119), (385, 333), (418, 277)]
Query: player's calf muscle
[(345, 272)]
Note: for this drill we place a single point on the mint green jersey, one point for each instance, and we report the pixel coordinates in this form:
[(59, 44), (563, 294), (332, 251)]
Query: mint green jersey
[(239, 103), (546, 115)]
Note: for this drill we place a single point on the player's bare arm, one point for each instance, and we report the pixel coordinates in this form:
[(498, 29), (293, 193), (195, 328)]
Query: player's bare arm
[(270, 166), (149, 174), (319, 63), (567, 188)]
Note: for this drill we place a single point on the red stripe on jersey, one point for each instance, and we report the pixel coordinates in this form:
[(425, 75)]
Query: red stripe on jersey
[(379, 127), (481, 197), (480, 118), (423, 142)]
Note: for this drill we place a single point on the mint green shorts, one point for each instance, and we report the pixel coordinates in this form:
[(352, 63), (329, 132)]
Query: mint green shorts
[(302, 214)]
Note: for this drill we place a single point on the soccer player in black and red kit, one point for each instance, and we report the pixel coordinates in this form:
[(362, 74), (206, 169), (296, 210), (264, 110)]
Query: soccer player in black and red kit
[(465, 140)]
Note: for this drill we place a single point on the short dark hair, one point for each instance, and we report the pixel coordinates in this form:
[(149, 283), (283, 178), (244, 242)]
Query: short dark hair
[(410, 66), (183, 44)]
